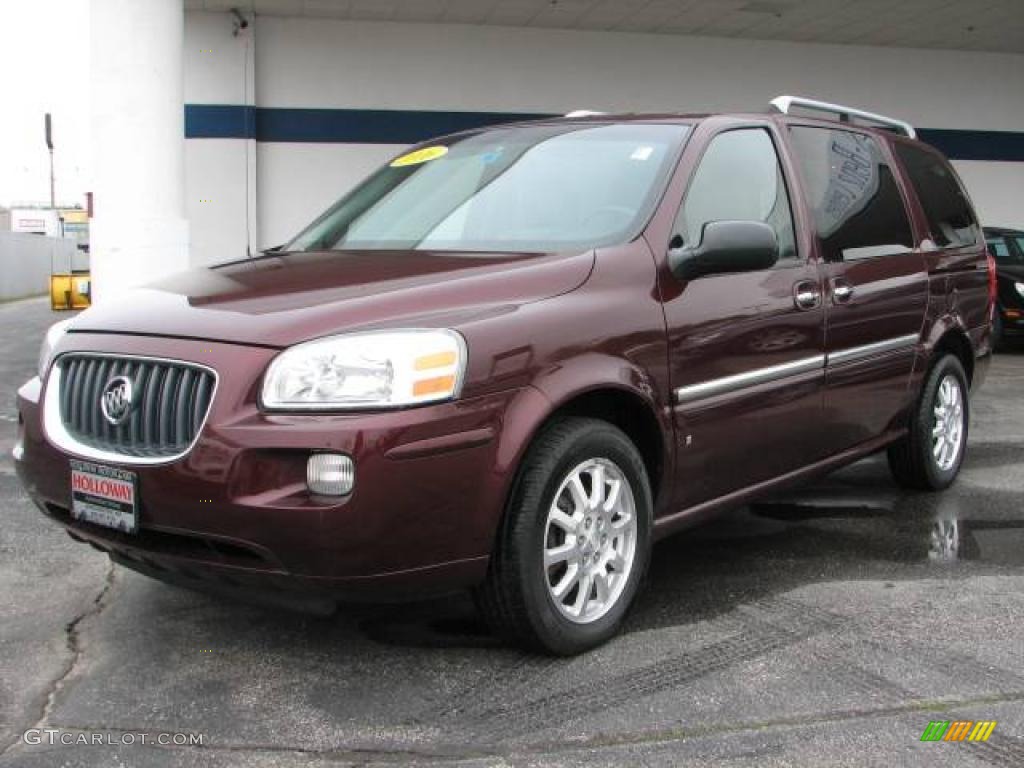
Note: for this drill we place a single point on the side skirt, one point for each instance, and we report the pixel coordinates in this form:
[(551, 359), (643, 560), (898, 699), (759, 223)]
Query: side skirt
[(668, 524)]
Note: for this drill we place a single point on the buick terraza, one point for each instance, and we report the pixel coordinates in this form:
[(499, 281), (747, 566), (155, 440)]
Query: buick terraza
[(512, 358)]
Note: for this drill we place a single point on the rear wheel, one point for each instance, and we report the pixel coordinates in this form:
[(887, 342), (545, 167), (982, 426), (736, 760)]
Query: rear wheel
[(574, 542), (930, 455)]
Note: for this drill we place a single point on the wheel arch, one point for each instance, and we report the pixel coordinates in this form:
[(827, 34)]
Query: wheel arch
[(508, 595), (951, 337), (632, 414), (597, 386)]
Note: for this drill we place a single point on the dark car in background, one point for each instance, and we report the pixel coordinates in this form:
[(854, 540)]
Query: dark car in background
[(1007, 248), (514, 357)]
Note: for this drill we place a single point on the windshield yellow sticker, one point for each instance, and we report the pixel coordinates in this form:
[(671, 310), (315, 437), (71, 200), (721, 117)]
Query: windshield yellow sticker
[(419, 156)]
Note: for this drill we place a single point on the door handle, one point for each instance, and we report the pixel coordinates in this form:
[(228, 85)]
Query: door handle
[(842, 292), (806, 295)]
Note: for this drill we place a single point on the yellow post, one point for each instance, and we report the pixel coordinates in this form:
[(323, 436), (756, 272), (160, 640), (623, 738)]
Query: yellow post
[(70, 291)]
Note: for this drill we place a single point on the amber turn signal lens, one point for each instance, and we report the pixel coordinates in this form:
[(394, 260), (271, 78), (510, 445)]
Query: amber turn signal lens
[(434, 386), (438, 360)]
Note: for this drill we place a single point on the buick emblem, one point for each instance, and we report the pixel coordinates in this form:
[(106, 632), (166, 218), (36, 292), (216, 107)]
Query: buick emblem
[(116, 400)]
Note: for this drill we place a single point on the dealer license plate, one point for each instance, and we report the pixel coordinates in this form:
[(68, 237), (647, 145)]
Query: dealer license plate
[(105, 496)]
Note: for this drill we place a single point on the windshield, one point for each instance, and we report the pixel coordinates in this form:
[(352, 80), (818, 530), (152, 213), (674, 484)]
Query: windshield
[(1008, 249), (533, 188)]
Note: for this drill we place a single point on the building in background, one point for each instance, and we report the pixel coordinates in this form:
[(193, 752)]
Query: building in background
[(285, 105), (43, 245), (36, 221), (75, 226), (40, 219)]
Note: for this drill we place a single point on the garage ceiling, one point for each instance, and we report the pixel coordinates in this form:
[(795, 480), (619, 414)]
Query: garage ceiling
[(990, 25)]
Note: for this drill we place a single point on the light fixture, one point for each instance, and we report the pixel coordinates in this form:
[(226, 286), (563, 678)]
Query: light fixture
[(330, 474)]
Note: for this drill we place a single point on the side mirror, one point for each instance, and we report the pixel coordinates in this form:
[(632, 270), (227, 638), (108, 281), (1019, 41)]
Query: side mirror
[(727, 246)]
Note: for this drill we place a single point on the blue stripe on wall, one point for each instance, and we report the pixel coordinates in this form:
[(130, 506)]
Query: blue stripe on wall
[(976, 145), (219, 121), (408, 126), (339, 126), (370, 126)]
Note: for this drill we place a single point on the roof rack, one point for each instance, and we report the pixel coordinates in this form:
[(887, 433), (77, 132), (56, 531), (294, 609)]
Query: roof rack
[(583, 113), (785, 103)]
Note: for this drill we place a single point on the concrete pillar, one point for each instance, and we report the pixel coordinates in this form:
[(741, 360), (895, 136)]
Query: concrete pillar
[(139, 231)]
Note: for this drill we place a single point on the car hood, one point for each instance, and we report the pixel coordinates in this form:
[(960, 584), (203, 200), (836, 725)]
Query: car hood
[(280, 299)]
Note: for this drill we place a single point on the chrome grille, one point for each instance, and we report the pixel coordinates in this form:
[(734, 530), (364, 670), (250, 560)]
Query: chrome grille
[(169, 404)]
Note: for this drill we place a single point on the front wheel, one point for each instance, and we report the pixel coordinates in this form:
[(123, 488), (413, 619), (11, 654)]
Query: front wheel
[(930, 455), (574, 543)]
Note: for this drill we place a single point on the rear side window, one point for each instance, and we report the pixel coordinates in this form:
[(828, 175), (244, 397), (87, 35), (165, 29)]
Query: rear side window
[(857, 208), (946, 207)]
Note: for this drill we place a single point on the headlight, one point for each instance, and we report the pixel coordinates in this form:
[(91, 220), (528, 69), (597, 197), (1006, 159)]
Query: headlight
[(49, 342), (1020, 288), (383, 369)]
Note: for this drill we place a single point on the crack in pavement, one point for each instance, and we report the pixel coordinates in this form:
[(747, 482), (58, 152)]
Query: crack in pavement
[(74, 647)]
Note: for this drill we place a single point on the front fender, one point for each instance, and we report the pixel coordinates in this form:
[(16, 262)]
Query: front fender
[(557, 388), (592, 371)]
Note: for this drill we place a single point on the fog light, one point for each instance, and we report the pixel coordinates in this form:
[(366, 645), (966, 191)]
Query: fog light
[(330, 474)]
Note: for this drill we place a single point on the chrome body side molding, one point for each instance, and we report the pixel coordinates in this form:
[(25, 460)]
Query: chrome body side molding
[(749, 378), (870, 350), (810, 364)]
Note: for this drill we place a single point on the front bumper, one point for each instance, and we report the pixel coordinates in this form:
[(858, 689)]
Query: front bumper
[(430, 487)]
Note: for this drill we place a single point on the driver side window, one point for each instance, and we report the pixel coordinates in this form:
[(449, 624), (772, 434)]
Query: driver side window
[(739, 178)]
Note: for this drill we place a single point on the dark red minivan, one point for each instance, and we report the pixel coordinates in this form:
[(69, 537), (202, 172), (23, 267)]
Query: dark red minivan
[(513, 357)]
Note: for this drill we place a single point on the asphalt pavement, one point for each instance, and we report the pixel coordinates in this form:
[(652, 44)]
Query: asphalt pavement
[(826, 628)]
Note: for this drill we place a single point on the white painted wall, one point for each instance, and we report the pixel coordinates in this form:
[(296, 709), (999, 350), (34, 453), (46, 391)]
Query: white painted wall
[(26, 262), (298, 181), (338, 64), (997, 190), (220, 174)]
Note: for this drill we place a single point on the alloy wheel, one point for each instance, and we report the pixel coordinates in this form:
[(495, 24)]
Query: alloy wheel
[(948, 429), (590, 540)]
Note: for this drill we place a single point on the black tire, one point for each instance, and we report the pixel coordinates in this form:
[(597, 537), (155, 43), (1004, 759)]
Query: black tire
[(998, 340), (912, 459), (515, 599)]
